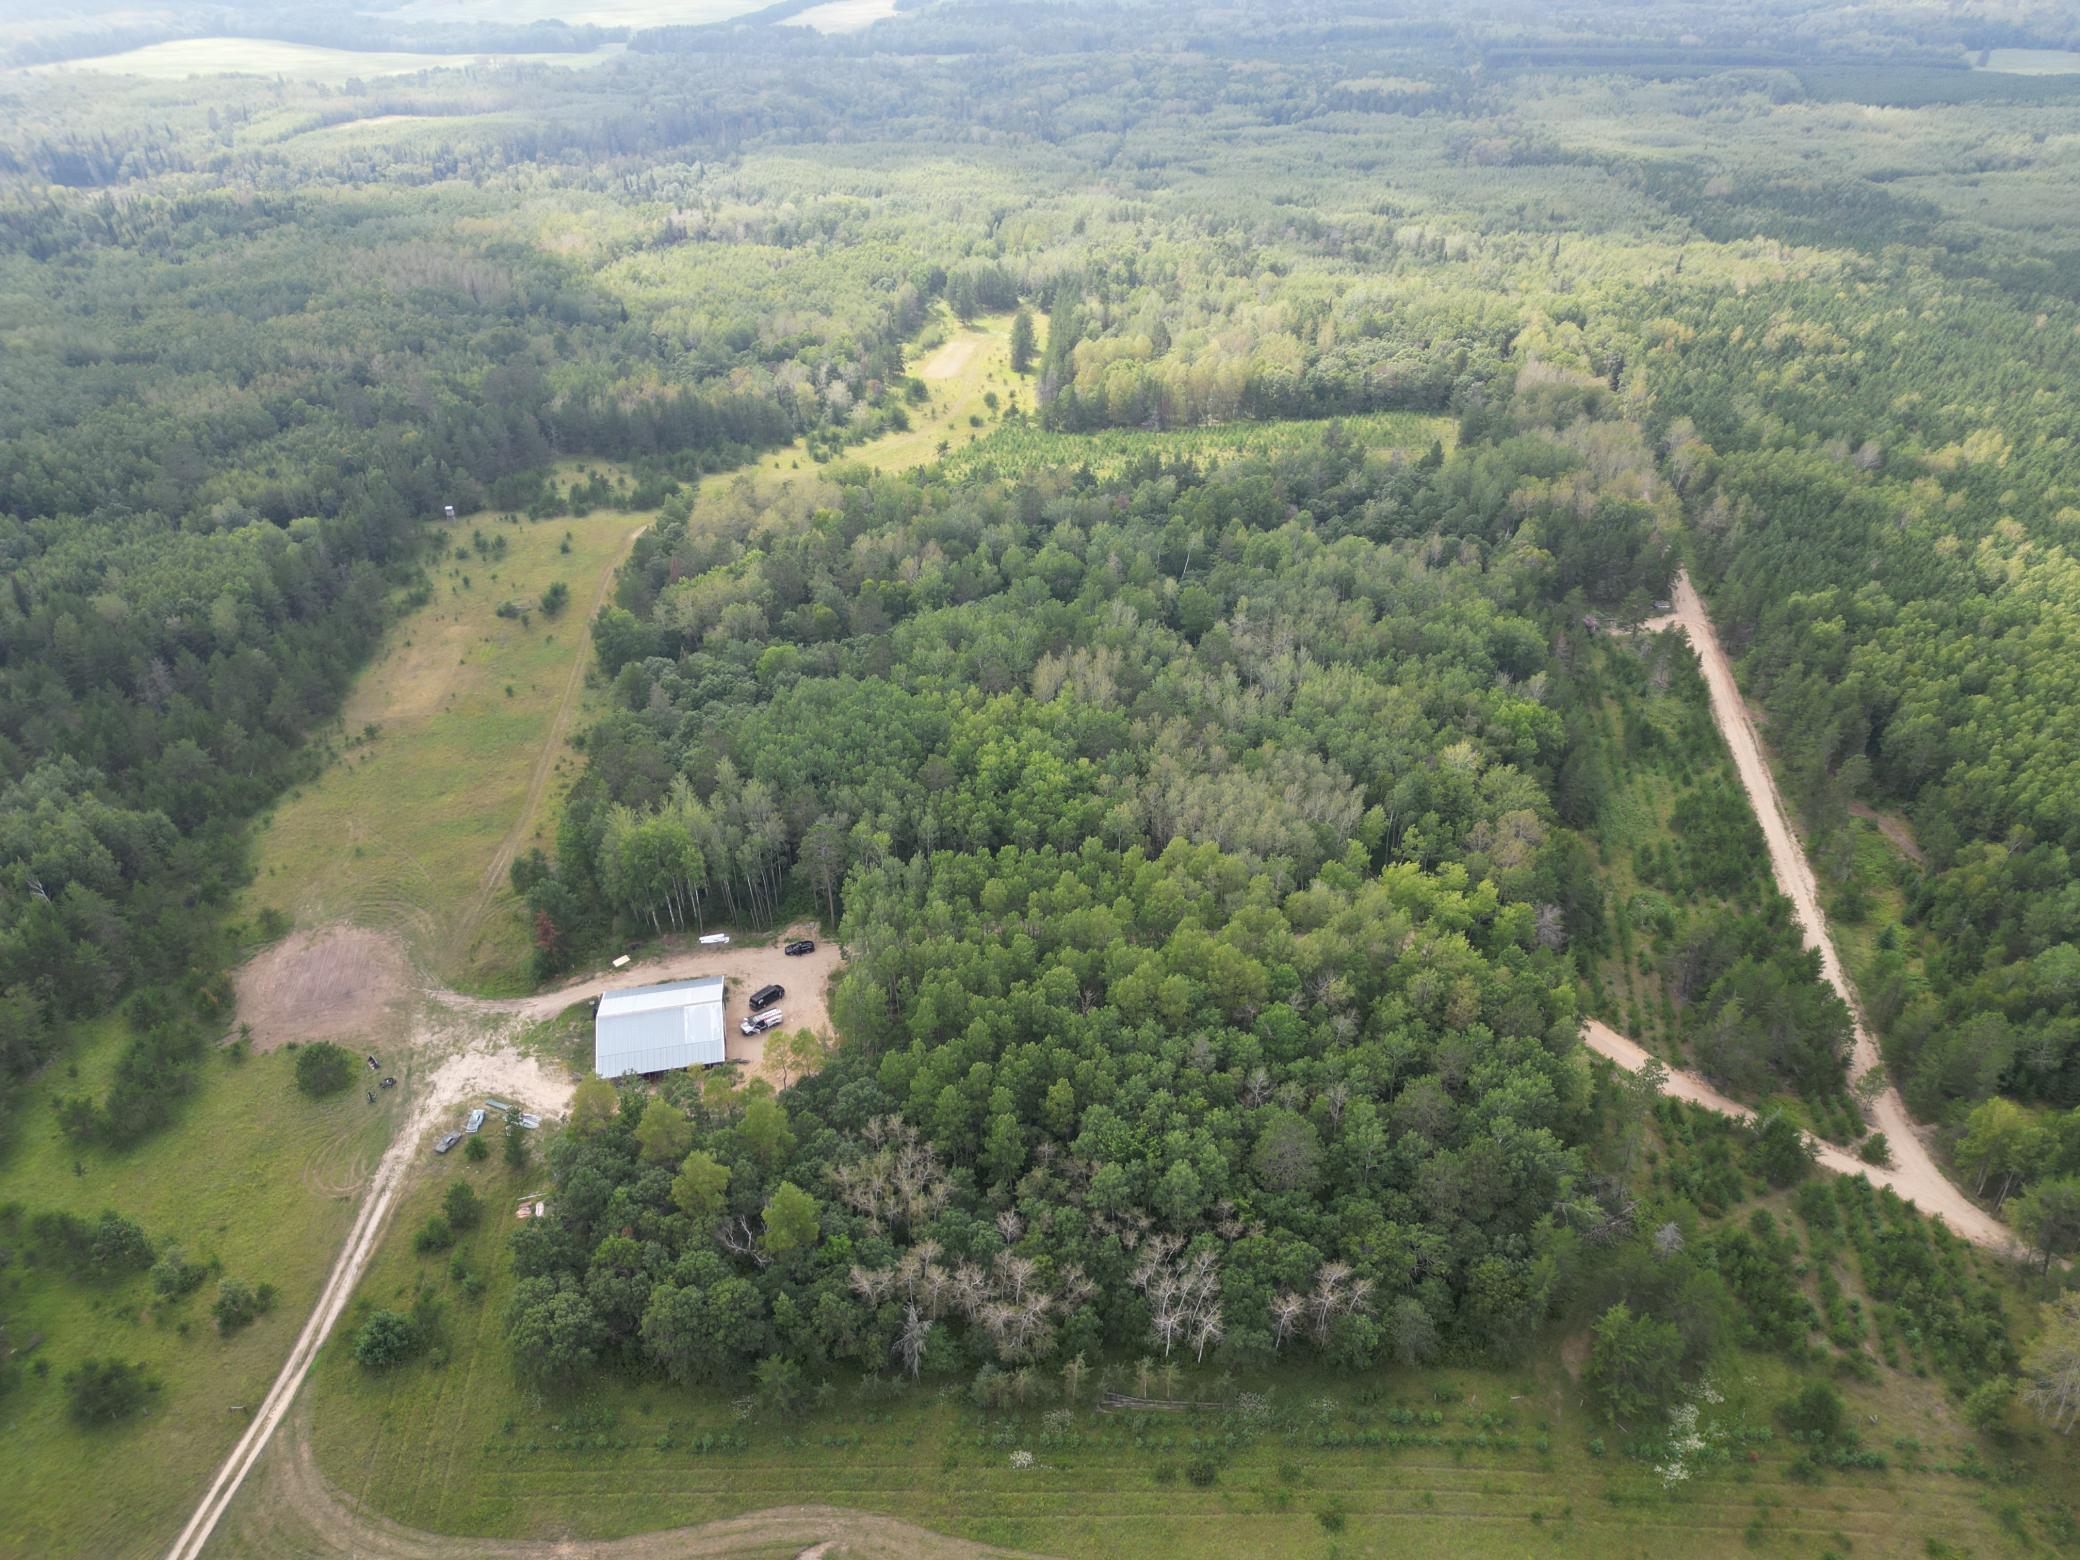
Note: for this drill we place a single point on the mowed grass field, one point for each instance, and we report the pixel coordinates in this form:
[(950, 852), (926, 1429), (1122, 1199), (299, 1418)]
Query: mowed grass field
[(252, 1175), (1511, 1464), (407, 830)]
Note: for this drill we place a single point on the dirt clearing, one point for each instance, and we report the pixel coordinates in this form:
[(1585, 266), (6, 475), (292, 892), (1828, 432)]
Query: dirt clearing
[(746, 967), (324, 985), (950, 361)]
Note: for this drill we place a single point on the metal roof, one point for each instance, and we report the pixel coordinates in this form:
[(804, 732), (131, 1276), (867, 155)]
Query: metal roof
[(649, 1029)]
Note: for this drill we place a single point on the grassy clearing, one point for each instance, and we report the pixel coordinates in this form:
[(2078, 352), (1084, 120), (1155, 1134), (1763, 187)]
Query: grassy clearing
[(253, 1175), (405, 829), (1512, 1463), (960, 365), (1013, 448), (302, 62)]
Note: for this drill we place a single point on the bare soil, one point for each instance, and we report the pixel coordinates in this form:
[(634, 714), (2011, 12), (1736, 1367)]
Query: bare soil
[(949, 361), (331, 984)]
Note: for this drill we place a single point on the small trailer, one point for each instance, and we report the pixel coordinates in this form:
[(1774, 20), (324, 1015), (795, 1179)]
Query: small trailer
[(715, 940)]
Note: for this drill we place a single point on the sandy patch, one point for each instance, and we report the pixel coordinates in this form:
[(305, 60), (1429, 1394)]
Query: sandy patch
[(326, 985), (951, 360)]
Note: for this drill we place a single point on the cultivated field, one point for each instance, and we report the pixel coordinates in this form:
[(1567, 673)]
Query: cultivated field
[(1512, 1462), (304, 62), (411, 829)]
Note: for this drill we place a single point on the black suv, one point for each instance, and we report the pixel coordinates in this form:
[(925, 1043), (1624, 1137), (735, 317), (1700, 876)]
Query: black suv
[(766, 996), (806, 945)]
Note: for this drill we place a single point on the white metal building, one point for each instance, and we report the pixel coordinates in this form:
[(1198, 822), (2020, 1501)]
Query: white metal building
[(651, 1029)]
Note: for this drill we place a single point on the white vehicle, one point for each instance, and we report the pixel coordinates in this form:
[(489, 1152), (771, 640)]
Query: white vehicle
[(476, 1120), (715, 940), (759, 1023)]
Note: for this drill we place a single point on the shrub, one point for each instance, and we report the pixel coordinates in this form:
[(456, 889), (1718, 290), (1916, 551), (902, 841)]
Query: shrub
[(463, 1207), (434, 1235), (100, 1392), (1817, 1411), (475, 1150), (238, 1303), (1875, 1150), (555, 599), (323, 1068), (108, 1248), (1202, 1471), (173, 1275), (387, 1338)]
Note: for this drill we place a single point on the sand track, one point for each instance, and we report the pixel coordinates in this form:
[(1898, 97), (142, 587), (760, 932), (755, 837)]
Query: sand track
[(1915, 1174)]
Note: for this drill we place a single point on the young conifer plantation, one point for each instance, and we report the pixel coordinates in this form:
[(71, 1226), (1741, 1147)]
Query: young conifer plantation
[(1413, 669)]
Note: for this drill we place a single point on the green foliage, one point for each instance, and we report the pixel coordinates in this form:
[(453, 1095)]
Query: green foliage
[(475, 1149), (555, 598), (388, 1338), (238, 1304), (1634, 1363), (791, 1221), (462, 1207), (436, 1234), (323, 1068), (103, 1392), (1816, 1412)]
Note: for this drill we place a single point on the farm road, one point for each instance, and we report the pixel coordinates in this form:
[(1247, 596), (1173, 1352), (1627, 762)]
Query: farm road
[(481, 1061)]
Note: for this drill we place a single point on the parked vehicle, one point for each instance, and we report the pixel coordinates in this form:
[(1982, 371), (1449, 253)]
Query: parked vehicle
[(766, 996), (800, 946), (715, 940), (528, 1120), (476, 1120), (388, 1083), (447, 1142), (759, 1023)]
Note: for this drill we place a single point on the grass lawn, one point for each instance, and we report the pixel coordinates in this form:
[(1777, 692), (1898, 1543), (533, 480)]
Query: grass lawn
[(410, 829), (253, 1175), (1410, 1462)]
